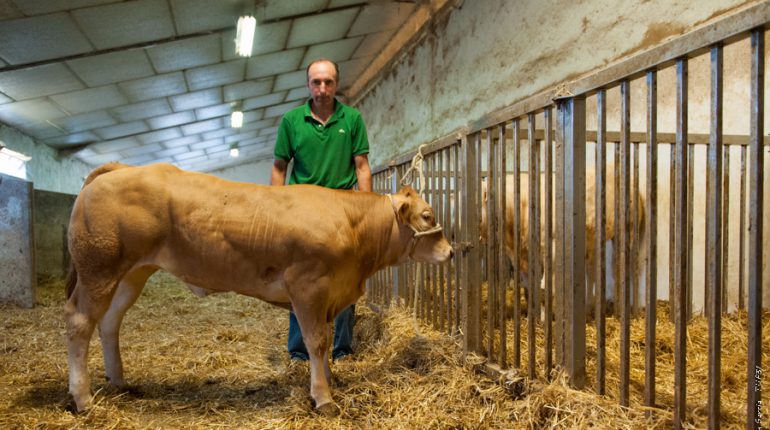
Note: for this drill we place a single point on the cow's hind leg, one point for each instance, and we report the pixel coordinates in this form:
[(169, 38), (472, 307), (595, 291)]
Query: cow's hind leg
[(83, 310), (129, 289)]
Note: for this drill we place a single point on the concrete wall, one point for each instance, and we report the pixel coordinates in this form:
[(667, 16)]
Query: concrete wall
[(17, 253), (47, 170), (52, 216), (488, 54)]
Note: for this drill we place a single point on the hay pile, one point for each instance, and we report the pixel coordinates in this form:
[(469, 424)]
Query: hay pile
[(734, 358), (221, 362)]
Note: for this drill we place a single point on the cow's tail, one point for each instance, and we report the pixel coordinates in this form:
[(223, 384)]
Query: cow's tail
[(104, 168), (72, 280)]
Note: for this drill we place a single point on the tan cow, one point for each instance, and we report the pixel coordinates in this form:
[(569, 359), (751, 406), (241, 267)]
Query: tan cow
[(301, 247), (637, 255)]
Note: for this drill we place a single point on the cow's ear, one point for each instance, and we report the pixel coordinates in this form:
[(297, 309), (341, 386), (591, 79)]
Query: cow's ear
[(408, 191), (402, 211)]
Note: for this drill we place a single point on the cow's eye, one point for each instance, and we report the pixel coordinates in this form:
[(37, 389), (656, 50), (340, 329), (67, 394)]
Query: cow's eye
[(426, 216)]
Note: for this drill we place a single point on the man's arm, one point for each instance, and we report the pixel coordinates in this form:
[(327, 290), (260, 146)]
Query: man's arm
[(363, 172), (278, 175)]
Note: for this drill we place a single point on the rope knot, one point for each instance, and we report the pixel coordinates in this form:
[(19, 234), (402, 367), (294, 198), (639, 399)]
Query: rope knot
[(416, 166)]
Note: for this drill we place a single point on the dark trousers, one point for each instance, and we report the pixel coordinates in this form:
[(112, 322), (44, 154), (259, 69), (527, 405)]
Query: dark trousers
[(343, 335)]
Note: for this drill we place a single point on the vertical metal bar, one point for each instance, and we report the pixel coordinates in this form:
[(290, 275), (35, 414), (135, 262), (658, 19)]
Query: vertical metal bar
[(573, 128), (460, 280), (622, 235), (466, 193), (432, 268), (725, 222), (398, 272), (633, 248), (671, 232), (618, 228), (713, 249), (742, 234), (476, 274), (533, 301), (491, 244), (600, 217), (652, 234), (502, 257), (453, 197), (756, 184), (402, 272), (680, 257), (690, 216), (559, 265), (547, 238), (473, 287), (380, 178), (442, 173), (437, 269), (420, 273), (516, 245), (427, 269), (448, 230)]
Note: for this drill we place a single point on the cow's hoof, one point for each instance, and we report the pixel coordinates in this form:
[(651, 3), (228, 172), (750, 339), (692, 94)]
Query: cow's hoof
[(72, 407), (329, 410)]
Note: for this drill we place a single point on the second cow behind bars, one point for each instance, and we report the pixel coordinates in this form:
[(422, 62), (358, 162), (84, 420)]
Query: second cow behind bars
[(636, 250)]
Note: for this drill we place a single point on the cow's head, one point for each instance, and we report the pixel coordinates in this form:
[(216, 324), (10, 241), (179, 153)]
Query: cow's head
[(427, 243)]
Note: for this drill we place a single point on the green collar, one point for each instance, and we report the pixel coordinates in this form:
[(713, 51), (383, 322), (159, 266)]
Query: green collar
[(338, 112)]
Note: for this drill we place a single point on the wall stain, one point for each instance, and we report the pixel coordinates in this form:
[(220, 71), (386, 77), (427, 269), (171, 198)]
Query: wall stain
[(655, 34), (725, 11)]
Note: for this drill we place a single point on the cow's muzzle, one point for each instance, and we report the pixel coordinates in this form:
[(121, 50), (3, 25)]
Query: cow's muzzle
[(418, 234)]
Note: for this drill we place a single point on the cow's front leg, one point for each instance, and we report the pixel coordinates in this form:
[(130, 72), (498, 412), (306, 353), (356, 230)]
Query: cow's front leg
[(315, 333)]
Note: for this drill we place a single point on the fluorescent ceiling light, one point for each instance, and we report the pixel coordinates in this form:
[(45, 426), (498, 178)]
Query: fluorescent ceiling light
[(234, 152), (236, 119), (244, 36)]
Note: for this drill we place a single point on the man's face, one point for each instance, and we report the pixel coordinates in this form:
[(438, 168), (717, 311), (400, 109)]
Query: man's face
[(322, 82)]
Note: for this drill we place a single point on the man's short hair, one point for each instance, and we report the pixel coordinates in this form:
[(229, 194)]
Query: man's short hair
[(324, 60)]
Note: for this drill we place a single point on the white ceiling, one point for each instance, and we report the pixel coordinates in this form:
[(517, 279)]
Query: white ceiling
[(141, 81)]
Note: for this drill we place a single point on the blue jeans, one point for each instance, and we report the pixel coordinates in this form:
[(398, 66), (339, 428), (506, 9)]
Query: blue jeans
[(343, 335)]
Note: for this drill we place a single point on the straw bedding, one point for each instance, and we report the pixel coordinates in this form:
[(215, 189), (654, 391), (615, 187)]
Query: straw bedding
[(221, 362)]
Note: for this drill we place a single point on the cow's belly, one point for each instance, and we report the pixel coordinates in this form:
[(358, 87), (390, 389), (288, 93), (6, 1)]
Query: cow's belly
[(263, 283), (271, 292)]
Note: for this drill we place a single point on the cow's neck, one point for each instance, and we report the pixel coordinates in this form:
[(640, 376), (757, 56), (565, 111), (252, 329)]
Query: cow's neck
[(386, 241)]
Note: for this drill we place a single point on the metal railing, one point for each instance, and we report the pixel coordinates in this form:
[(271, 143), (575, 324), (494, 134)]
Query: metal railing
[(502, 256)]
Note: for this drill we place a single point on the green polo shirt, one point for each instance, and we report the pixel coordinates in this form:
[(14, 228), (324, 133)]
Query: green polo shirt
[(323, 154)]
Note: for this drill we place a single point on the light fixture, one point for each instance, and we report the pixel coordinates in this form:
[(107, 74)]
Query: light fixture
[(244, 35), (236, 117), (234, 152), (13, 154)]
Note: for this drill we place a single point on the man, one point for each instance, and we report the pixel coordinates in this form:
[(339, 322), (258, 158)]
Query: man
[(327, 141)]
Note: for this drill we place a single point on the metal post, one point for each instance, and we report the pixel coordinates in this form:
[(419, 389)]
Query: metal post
[(713, 233), (571, 128)]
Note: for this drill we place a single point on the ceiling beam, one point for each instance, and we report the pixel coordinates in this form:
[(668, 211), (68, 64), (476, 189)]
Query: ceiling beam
[(401, 43)]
